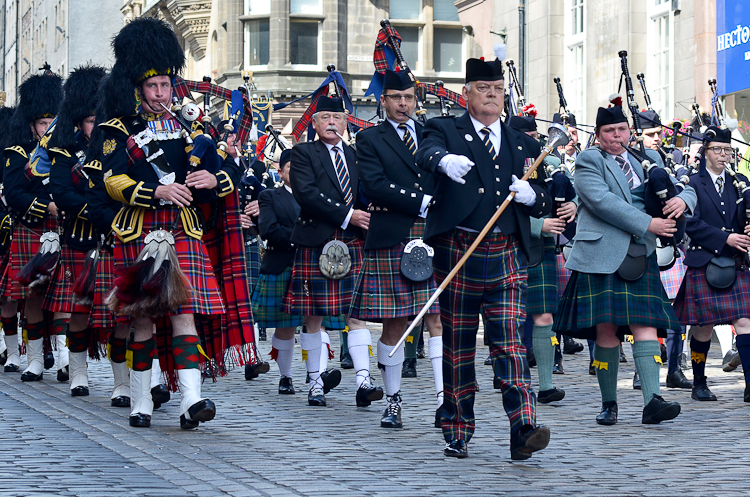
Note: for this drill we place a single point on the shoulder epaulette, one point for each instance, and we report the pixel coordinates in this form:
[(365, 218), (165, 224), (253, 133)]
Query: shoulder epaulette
[(61, 151), (94, 164), (115, 123), (19, 150)]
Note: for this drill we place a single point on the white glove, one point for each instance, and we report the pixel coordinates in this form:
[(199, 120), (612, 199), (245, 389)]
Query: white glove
[(455, 167), (524, 193)]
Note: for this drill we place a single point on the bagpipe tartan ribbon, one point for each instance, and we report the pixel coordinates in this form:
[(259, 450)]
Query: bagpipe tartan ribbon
[(379, 57), (447, 94)]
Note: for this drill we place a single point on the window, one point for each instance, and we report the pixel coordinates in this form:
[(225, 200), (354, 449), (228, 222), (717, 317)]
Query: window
[(661, 66), (574, 82), (258, 42), (405, 9), (447, 50), (576, 16), (303, 42), (258, 7), (306, 7), (410, 45), (575, 90), (444, 10)]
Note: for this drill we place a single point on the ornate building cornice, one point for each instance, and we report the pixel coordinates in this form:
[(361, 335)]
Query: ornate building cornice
[(191, 18)]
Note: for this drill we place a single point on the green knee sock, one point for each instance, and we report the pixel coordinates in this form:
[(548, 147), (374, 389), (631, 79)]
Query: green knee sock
[(647, 357), (544, 351), (607, 364), (410, 345)]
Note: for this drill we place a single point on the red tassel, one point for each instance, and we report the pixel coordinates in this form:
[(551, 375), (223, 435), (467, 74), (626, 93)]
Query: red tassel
[(331, 355), (274, 354)]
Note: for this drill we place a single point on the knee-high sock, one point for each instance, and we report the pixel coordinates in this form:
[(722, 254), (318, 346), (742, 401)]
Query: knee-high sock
[(325, 350), (743, 347), (360, 342), (284, 352), (435, 345), (698, 353), (544, 351), (311, 343), (390, 367), (607, 364), (647, 358), (674, 349), (410, 345), (725, 336)]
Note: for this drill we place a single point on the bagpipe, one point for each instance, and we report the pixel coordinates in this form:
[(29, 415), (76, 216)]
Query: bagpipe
[(560, 187), (396, 47)]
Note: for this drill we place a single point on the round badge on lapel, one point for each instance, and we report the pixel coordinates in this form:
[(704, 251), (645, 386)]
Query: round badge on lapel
[(468, 137)]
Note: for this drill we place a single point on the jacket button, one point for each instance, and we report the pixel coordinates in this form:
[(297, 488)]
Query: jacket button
[(481, 190)]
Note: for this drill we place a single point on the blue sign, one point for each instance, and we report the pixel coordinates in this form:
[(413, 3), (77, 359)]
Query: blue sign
[(732, 45)]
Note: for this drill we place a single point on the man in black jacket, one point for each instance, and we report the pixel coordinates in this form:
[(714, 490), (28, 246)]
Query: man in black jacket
[(325, 183), (479, 160), (400, 194)]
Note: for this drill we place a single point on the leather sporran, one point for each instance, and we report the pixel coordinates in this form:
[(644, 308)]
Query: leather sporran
[(634, 266), (335, 261), (721, 272), (416, 261)]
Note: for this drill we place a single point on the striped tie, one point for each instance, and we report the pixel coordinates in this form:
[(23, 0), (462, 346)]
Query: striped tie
[(343, 176), (408, 140), (488, 143), (720, 185), (626, 169)]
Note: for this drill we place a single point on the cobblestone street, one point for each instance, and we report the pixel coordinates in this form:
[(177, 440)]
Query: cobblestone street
[(262, 443)]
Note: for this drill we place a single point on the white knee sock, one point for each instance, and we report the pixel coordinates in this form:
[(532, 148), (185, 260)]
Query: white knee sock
[(435, 346), (285, 351), (725, 336), (391, 367), (360, 342), (325, 347), (311, 343), (156, 378)]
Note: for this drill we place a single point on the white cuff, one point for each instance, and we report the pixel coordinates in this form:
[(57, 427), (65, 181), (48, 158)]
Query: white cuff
[(425, 203), (348, 218)]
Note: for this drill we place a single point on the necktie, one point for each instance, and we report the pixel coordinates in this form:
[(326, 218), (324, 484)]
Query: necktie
[(571, 163), (720, 185), (488, 143), (343, 175), (626, 169), (408, 140)]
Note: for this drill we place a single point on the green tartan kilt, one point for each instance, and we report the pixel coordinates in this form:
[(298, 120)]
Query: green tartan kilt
[(591, 299), (541, 296), (268, 293)]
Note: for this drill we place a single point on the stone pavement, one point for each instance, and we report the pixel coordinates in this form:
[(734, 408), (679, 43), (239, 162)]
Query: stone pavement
[(262, 443)]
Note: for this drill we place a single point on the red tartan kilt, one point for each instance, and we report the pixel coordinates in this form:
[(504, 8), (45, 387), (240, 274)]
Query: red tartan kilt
[(101, 316), (60, 296), (697, 304), (25, 245), (312, 294), (194, 262)]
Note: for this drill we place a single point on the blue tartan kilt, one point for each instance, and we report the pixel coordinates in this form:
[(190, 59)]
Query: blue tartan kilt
[(591, 299), (542, 293), (697, 304), (266, 301), (334, 323)]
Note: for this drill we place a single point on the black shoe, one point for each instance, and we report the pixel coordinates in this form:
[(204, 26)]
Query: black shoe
[(456, 448), (659, 410), (488, 361), (346, 360), (636, 381), (622, 355), (366, 393), (286, 387), (262, 334), (551, 395), (592, 369), (49, 360), (252, 371), (527, 441), (120, 401), (701, 391), (331, 379), (409, 369), (81, 391), (420, 346), (570, 346), (747, 393), (608, 415), (200, 412), (160, 395), (11, 368), (63, 374), (392, 414), (140, 420), (731, 361), (663, 353), (558, 368), (315, 397), (3, 357), (678, 380), (439, 415), (29, 376), (497, 382)]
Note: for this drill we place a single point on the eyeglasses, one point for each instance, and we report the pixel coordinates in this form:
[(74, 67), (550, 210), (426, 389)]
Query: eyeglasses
[(721, 150), (397, 98), (486, 88), (338, 117)]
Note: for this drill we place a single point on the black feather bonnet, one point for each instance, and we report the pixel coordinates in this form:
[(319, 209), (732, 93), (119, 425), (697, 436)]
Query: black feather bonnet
[(78, 103), (38, 97)]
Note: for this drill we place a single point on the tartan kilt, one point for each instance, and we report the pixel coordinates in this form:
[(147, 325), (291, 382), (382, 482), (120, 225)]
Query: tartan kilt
[(101, 316), (312, 294), (672, 278), (24, 246), (334, 323), (194, 262), (382, 292), (60, 296), (542, 295), (697, 304), (252, 254), (591, 299), (267, 297), (563, 275)]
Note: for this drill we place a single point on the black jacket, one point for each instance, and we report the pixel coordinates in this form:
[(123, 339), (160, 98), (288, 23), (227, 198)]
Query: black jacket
[(454, 203), (24, 186), (318, 192), (392, 182), (278, 212)]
